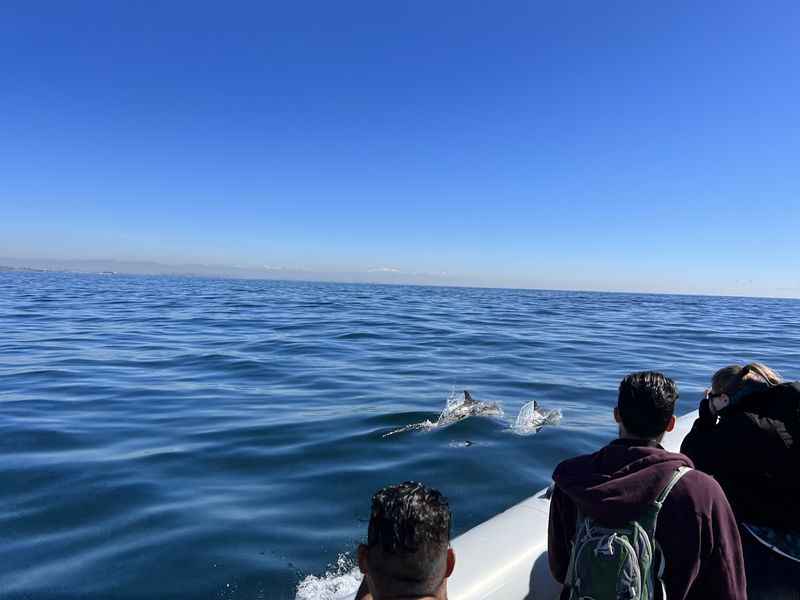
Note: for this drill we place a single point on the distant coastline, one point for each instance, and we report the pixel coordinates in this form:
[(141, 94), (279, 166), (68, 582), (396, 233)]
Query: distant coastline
[(124, 267), (24, 269), (371, 276)]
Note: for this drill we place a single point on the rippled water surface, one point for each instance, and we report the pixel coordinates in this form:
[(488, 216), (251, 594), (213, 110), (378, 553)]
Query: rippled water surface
[(194, 438)]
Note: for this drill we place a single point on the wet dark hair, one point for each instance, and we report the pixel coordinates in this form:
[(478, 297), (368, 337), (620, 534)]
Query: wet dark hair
[(646, 402), (408, 516), (410, 526)]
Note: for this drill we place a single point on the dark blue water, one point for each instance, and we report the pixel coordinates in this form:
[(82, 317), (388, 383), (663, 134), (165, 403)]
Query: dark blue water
[(192, 438)]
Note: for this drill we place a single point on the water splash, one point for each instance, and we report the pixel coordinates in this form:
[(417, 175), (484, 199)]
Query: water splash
[(459, 406), (340, 581), (532, 418), (426, 425)]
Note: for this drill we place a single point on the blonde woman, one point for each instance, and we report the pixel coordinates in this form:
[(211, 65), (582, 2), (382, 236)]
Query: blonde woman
[(747, 436)]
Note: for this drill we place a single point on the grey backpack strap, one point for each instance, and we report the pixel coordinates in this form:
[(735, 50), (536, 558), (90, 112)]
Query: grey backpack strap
[(650, 517), (676, 477), (579, 519)]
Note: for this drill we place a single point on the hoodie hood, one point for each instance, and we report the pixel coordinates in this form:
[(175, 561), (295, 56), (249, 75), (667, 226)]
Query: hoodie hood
[(614, 484)]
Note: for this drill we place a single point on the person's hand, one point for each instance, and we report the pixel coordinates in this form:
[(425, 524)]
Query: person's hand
[(704, 410), (716, 402), (712, 404)]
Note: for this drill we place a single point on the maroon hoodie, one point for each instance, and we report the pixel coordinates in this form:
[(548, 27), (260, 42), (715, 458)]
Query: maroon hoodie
[(696, 528)]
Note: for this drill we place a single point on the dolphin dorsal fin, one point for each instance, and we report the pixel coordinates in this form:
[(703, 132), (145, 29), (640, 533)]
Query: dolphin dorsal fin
[(535, 405), (467, 397)]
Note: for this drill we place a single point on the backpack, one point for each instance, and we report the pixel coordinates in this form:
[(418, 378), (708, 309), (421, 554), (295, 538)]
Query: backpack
[(619, 563)]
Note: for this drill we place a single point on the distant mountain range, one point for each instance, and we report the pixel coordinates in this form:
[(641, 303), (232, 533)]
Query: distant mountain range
[(28, 269), (378, 274), (121, 267)]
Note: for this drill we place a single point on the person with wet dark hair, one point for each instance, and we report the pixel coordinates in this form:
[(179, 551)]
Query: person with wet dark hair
[(631, 488), (747, 436), (646, 404), (407, 555)]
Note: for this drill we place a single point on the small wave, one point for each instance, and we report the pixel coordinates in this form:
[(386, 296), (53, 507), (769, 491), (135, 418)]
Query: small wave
[(339, 581), (358, 335)]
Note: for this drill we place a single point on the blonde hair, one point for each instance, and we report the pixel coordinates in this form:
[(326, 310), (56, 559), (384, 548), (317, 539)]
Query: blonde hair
[(752, 372), (761, 371)]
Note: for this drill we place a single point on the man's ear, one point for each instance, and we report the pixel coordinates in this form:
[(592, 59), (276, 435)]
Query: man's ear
[(617, 418), (671, 423), (451, 562), (362, 558)]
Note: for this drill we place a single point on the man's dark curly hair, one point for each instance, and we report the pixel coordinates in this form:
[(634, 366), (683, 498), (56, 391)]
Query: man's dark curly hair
[(646, 402), (409, 533), (408, 517)]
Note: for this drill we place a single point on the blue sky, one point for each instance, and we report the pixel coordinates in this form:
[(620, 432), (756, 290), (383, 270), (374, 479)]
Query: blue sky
[(591, 145)]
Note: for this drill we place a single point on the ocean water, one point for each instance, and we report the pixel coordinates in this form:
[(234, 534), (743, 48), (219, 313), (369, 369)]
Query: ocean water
[(196, 438)]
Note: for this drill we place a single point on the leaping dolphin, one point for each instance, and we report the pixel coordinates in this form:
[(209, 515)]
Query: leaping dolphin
[(531, 418), (458, 408)]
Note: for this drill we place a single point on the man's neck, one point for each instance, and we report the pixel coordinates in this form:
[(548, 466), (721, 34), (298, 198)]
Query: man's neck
[(426, 597), (624, 435), (365, 594)]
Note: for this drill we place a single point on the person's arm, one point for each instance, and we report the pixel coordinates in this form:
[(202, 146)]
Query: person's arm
[(726, 565), (683, 534), (700, 542), (699, 443), (560, 531), (739, 443)]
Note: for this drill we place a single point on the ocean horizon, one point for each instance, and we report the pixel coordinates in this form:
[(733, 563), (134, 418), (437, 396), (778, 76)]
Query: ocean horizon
[(179, 272)]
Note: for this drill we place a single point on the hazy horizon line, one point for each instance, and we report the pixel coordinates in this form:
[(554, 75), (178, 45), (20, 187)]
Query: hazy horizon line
[(369, 276)]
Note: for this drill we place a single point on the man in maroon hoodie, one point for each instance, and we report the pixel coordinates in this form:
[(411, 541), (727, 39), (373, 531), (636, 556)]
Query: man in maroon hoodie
[(695, 529)]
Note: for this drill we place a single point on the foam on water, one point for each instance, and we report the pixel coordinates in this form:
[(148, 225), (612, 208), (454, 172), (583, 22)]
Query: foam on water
[(426, 425), (341, 580)]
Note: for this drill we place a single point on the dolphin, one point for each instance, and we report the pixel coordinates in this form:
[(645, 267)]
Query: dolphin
[(532, 418), (463, 407), (458, 408)]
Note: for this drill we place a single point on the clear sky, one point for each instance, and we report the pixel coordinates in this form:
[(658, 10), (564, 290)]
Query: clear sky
[(594, 145)]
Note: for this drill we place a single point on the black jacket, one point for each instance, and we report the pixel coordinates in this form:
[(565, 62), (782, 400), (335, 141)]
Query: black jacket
[(752, 451)]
